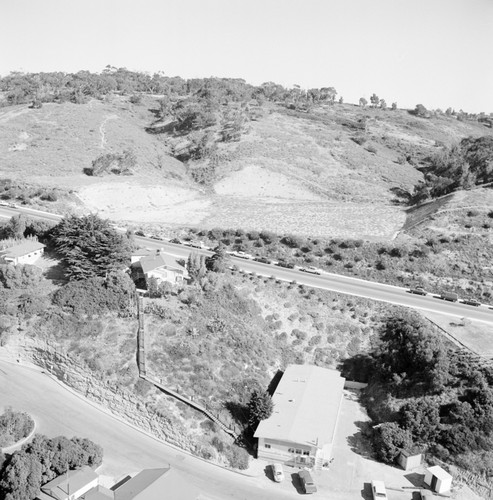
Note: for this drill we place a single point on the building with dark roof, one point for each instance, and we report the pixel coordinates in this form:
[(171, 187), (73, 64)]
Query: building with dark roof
[(158, 484), (302, 427)]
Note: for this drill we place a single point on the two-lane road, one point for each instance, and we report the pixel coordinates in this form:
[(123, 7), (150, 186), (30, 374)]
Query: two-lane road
[(326, 281)]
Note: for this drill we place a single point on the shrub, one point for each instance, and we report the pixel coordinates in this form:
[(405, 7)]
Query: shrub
[(389, 440), (238, 458), (14, 426), (315, 340), (359, 139)]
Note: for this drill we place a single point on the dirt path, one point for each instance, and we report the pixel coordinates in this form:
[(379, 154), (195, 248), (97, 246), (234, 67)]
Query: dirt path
[(8, 115), (102, 130)]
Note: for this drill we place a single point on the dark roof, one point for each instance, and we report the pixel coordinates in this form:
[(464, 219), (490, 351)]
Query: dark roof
[(156, 484), (76, 479), (22, 249)]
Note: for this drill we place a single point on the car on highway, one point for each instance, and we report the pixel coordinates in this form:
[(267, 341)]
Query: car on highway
[(241, 255), (418, 290), (471, 302), (310, 269), (378, 490), (306, 481), (287, 265), (176, 241), (263, 260), (197, 244), (277, 472)]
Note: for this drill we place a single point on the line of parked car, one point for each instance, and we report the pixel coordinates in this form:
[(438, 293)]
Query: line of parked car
[(449, 296), (305, 478)]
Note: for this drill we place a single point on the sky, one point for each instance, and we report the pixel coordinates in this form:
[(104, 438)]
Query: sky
[(434, 52)]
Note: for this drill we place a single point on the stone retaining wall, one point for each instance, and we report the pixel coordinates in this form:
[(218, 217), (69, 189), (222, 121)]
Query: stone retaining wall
[(119, 400)]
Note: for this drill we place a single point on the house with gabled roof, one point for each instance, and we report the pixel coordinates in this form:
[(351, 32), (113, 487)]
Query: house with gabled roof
[(26, 252), (163, 267), (302, 427), (72, 485)]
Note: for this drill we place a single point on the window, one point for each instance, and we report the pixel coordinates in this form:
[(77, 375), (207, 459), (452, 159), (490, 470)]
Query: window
[(306, 453), (298, 452), (290, 450), (267, 445)]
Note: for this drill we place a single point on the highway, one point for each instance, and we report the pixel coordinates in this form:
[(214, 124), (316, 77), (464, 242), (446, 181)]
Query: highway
[(326, 281)]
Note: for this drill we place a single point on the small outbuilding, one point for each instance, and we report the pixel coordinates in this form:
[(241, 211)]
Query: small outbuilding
[(408, 460), (438, 479)]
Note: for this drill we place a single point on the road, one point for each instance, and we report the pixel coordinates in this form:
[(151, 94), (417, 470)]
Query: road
[(326, 281), (58, 411)]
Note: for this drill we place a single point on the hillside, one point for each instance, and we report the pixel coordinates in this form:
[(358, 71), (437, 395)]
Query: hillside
[(331, 171)]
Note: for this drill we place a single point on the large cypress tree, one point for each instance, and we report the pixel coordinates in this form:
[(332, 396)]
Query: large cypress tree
[(89, 246)]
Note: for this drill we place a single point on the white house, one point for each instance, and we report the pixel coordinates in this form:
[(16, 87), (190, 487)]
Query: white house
[(302, 428), (159, 265), (72, 485), (26, 252)]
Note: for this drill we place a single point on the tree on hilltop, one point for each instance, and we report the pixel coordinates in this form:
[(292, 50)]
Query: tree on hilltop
[(375, 100), (363, 102), (89, 246)]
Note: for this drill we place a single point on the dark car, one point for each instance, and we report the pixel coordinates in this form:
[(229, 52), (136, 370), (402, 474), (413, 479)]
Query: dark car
[(175, 240), (471, 302), (287, 265), (419, 290), (307, 482), (310, 270), (263, 260)]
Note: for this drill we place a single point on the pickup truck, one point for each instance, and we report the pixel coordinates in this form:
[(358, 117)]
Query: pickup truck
[(450, 296)]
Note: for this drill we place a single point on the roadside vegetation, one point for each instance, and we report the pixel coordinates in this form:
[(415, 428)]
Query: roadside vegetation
[(437, 261)]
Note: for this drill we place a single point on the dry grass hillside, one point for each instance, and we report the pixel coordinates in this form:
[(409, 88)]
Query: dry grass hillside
[(330, 172)]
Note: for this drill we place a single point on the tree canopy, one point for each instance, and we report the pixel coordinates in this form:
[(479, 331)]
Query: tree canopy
[(89, 246)]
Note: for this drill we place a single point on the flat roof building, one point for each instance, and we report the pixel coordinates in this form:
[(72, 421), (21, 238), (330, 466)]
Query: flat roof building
[(302, 428)]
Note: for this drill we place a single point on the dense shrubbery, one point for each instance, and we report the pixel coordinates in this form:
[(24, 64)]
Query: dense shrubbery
[(14, 426), (460, 167), (95, 296), (27, 193), (42, 460), (434, 396), (113, 163)]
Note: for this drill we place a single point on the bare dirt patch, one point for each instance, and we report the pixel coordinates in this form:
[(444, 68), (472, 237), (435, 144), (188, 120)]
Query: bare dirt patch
[(474, 335)]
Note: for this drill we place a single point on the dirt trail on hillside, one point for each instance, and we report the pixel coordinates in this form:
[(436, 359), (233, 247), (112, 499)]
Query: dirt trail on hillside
[(102, 130), (9, 115)]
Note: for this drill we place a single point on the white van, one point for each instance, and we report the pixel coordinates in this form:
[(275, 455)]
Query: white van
[(277, 472)]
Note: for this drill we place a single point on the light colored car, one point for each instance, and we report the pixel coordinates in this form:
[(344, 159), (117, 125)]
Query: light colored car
[(378, 490), (277, 473)]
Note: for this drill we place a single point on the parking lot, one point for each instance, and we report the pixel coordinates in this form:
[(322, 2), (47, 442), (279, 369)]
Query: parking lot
[(352, 470)]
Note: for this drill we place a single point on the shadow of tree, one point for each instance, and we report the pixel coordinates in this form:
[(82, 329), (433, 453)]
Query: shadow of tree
[(360, 442), (238, 411), (366, 492)]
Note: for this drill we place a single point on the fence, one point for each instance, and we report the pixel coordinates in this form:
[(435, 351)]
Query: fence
[(230, 427)]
